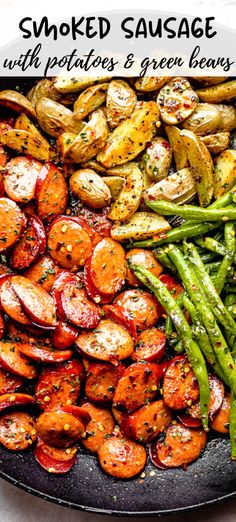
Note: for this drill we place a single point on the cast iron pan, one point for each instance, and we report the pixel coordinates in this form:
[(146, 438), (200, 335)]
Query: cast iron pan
[(208, 480)]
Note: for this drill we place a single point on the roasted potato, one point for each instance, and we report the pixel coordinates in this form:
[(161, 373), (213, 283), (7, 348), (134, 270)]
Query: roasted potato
[(216, 143), (204, 120), (55, 119), (64, 84), (210, 80), (17, 102), (24, 141), (90, 100), (177, 145), (22, 122), (201, 166), (94, 165), (151, 83), (43, 88), (157, 159), (142, 225), (178, 188), (131, 136), (90, 188), (224, 172), (176, 101), (218, 93), (84, 146), (121, 100), (122, 170), (129, 198), (228, 118), (115, 184)]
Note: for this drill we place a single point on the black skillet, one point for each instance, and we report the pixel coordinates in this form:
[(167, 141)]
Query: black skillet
[(208, 480)]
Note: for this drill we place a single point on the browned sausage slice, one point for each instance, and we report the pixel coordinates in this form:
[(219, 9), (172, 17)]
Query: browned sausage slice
[(36, 302), (11, 304), (9, 383), (137, 386), (43, 272), (216, 398), (9, 400), (140, 306), (78, 309), (150, 346), (108, 266), (121, 458), (99, 428), (43, 354), (20, 178), (64, 336), (146, 424), (220, 421), (59, 385), (51, 192), (55, 460), (102, 381), (11, 223), (13, 361), (59, 429), (180, 386), (69, 243), (181, 446), (31, 245), (145, 258), (17, 431), (108, 342)]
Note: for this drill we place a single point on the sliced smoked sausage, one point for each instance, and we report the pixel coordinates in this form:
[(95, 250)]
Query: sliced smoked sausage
[(59, 385), (11, 223), (108, 266), (181, 446), (121, 458), (17, 431), (180, 386), (59, 429), (99, 428), (140, 306), (145, 424), (69, 243), (137, 386)]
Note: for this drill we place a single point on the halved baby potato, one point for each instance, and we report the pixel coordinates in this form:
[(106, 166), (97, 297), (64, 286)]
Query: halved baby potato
[(17, 102), (24, 141), (176, 101), (228, 117), (224, 172), (150, 83), (24, 123), (177, 145), (157, 159), (129, 198), (142, 225), (121, 101), (177, 188), (90, 100), (204, 120), (216, 143), (115, 184), (218, 93), (55, 119), (90, 188), (65, 84)]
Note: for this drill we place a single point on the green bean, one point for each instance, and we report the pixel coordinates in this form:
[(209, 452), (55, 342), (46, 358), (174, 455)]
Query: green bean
[(192, 349), (230, 300), (168, 326), (228, 257), (209, 290), (207, 258), (178, 234), (211, 244), (192, 212), (162, 257), (212, 267), (221, 351), (232, 425), (179, 347)]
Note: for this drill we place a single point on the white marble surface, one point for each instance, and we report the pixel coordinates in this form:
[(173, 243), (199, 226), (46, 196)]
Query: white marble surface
[(16, 505)]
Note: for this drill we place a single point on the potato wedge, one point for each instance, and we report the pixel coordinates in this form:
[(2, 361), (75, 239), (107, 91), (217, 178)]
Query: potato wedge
[(90, 100), (121, 101), (224, 172), (24, 141), (17, 102), (201, 165), (228, 117), (176, 101), (55, 119), (131, 136), (151, 83), (177, 145), (210, 80), (129, 198), (64, 84), (93, 164), (218, 93), (24, 123), (90, 188), (43, 88), (115, 184), (84, 146), (122, 170), (177, 188), (216, 143), (142, 225), (204, 120), (157, 159)]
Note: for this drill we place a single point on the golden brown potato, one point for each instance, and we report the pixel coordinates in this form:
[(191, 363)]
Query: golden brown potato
[(121, 100), (131, 136), (94, 165), (177, 145), (204, 120), (216, 143), (17, 102), (176, 101), (210, 80), (90, 100), (55, 119), (224, 172), (150, 83), (157, 159), (218, 93), (90, 188), (228, 117), (122, 170), (177, 188), (142, 225), (201, 166), (64, 84), (115, 184), (129, 198), (43, 88), (22, 122), (25, 142), (84, 146)]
